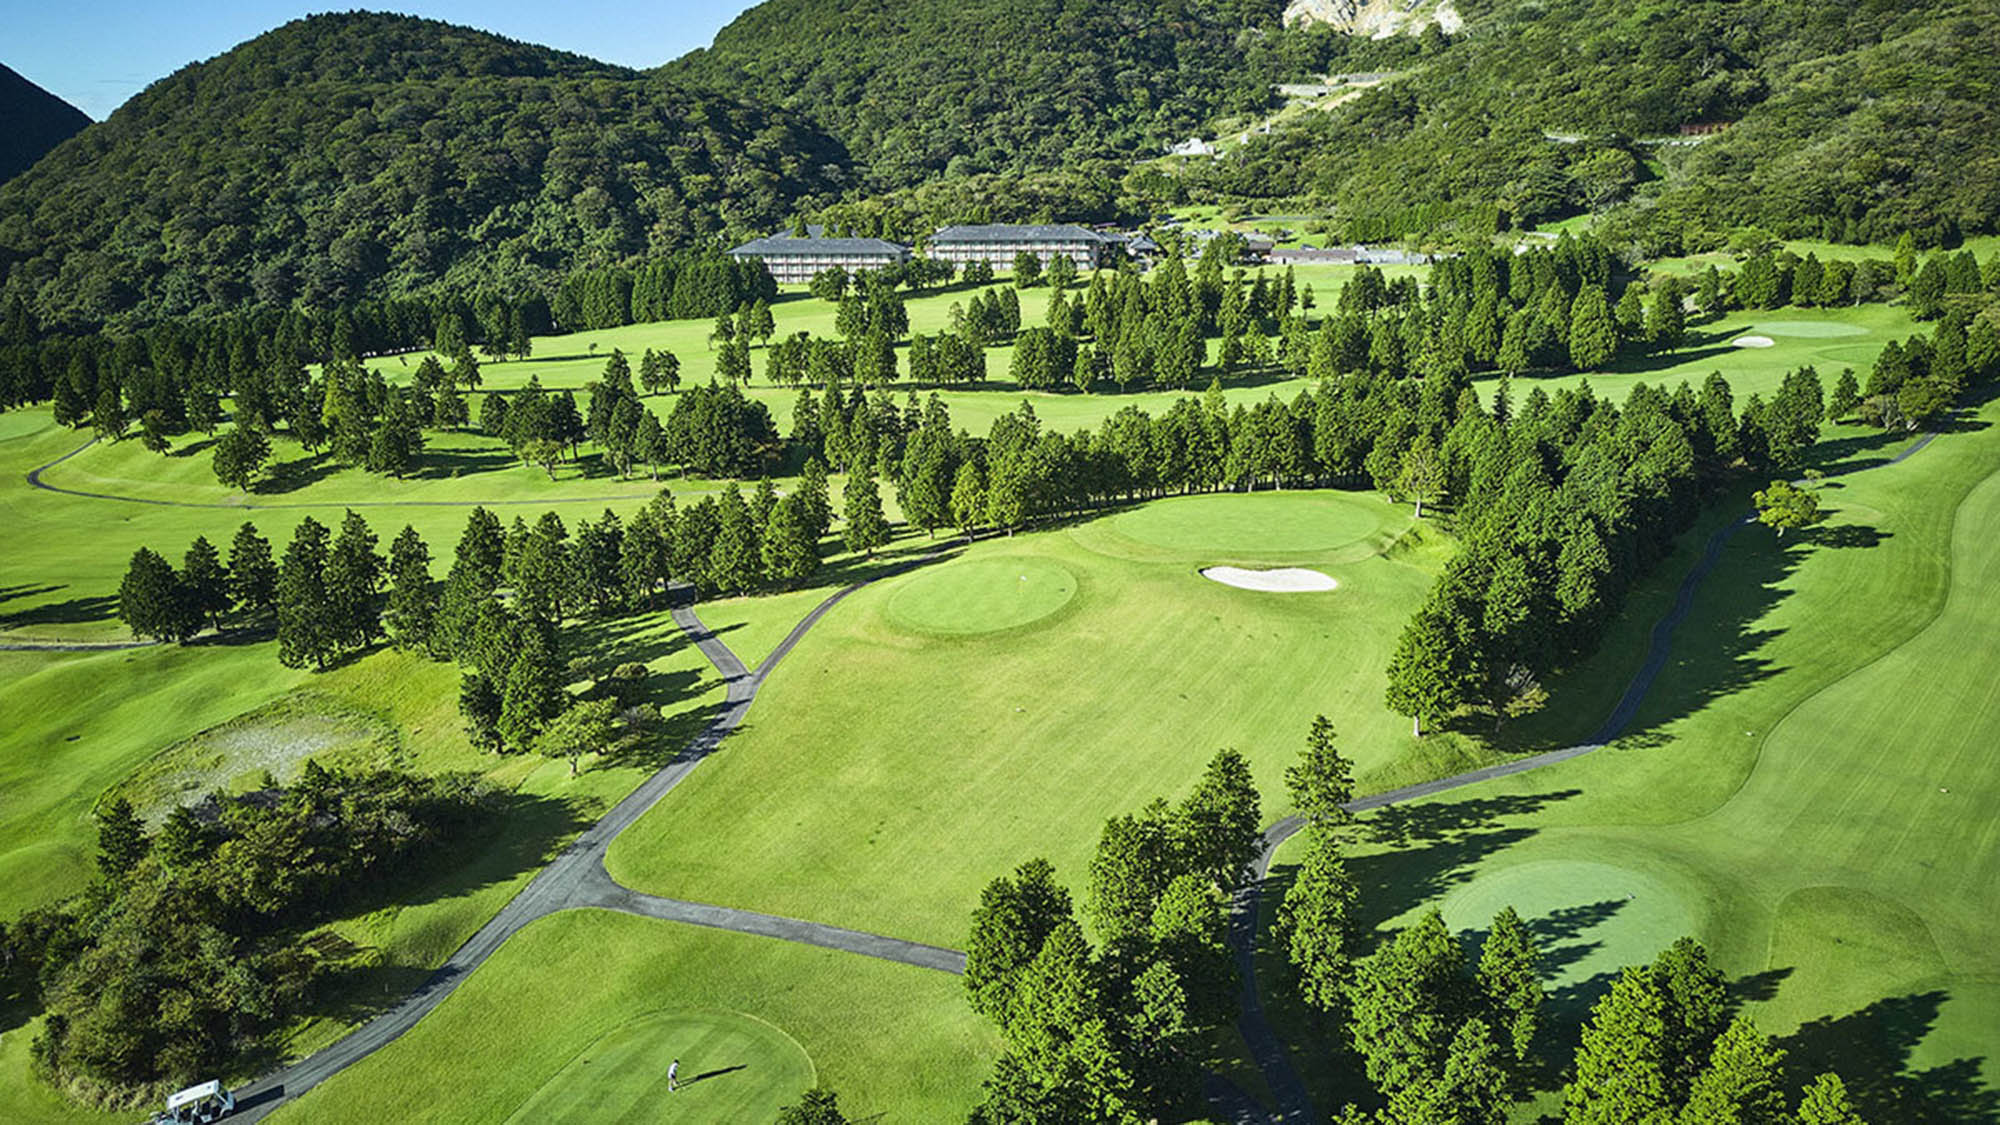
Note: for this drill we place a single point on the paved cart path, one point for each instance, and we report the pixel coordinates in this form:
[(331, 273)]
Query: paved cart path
[(577, 877)]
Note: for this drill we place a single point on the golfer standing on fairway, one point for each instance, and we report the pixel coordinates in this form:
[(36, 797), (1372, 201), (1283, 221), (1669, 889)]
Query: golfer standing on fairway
[(673, 1076)]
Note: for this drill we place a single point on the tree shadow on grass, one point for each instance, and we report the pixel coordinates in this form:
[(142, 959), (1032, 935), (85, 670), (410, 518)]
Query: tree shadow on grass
[(521, 835), (1871, 1050), (1711, 652), (441, 464), (291, 476), (69, 611), (1432, 847)]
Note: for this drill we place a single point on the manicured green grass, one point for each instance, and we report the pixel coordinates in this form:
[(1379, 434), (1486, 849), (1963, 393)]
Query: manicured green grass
[(982, 595), (895, 1041), (895, 771), (732, 1068), (1809, 790)]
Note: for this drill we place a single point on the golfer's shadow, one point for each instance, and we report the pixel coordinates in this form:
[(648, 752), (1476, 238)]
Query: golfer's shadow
[(717, 1073)]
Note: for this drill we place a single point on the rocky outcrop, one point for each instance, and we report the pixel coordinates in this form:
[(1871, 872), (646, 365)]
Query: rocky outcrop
[(1377, 18)]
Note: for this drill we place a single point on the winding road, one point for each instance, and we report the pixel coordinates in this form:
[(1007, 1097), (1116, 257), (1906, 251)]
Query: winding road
[(577, 877)]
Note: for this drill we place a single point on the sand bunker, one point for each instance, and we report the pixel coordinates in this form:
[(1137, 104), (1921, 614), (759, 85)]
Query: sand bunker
[(1284, 580), (1753, 341)]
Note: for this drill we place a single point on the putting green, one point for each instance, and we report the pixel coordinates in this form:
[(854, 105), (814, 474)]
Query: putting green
[(1591, 919), (982, 595), (1809, 329), (1861, 357), (733, 1068), (1253, 524)]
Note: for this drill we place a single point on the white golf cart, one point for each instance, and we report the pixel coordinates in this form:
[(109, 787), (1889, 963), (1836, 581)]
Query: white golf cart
[(197, 1105)]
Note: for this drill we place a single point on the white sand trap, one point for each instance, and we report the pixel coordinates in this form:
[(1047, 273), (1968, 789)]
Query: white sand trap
[(1753, 341), (1284, 580)]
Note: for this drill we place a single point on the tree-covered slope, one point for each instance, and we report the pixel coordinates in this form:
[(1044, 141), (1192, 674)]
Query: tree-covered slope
[(919, 88), (32, 121), (356, 155), (1855, 121)]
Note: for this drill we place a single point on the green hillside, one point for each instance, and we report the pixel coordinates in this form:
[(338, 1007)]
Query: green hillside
[(32, 121), (355, 155), (1853, 122), (923, 89)]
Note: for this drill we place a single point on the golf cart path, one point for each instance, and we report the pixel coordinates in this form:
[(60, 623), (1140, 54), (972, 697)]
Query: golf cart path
[(1269, 1053), (577, 879)]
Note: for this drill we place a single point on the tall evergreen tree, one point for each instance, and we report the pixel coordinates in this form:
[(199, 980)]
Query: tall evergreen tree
[(413, 602), (1593, 338), (1316, 921), (533, 694), (1621, 1066), (791, 551), (1742, 1083), (253, 573), (353, 574), (861, 508), (307, 631), (121, 839), (149, 598), (1510, 978), (204, 583), (1408, 1001)]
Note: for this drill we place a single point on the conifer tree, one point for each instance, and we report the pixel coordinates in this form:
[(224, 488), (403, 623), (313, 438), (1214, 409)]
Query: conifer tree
[(121, 839), (1621, 1065), (1826, 1103), (1742, 1083), (968, 497), (1593, 339), (204, 584), (1316, 921), (791, 551), (1219, 823), (240, 456), (1322, 781), (1511, 981), (353, 574), (412, 613), (253, 573), (149, 598), (736, 560), (861, 508), (307, 631), (533, 693), (1407, 1002)]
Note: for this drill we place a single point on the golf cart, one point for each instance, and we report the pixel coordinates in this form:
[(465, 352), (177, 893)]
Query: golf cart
[(197, 1105)]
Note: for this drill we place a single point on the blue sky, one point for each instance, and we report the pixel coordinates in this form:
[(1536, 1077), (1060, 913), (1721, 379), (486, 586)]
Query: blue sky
[(96, 55)]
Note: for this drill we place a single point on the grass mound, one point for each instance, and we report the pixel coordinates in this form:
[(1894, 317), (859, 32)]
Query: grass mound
[(982, 595), (733, 1068)]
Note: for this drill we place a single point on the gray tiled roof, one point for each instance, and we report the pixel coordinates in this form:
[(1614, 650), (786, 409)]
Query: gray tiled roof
[(1009, 232), (785, 244)]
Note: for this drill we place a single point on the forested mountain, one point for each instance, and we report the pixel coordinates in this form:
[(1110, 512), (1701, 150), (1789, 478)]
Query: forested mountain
[(32, 121), (923, 88), (1852, 121), (353, 155)]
